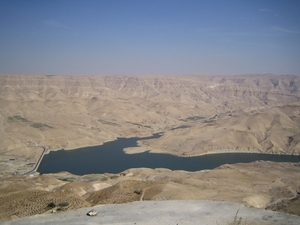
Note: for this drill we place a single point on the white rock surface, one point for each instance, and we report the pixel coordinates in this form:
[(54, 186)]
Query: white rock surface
[(162, 212)]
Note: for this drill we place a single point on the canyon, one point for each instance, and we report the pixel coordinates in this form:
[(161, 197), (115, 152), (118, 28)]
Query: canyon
[(196, 114)]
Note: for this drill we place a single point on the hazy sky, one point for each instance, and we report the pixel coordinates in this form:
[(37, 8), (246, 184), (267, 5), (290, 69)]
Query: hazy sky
[(149, 37)]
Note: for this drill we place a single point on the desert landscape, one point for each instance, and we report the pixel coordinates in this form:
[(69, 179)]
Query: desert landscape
[(197, 115)]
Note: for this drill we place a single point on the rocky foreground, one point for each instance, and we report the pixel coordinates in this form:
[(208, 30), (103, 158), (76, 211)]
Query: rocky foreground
[(264, 185)]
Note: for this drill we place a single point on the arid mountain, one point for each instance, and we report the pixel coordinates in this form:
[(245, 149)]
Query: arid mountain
[(269, 130), (197, 115), (224, 113)]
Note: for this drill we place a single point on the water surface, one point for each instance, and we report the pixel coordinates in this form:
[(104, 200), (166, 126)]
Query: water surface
[(110, 158)]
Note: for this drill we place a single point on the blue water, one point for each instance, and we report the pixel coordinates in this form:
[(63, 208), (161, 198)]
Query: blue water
[(110, 158)]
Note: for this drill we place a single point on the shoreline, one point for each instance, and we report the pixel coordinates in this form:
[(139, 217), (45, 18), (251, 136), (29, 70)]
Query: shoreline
[(150, 149), (232, 151), (195, 155)]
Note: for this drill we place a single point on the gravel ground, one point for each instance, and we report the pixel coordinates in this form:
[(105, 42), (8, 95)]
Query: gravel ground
[(162, 212)]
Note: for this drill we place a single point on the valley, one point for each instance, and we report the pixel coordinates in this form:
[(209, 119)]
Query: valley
[(197, 115)]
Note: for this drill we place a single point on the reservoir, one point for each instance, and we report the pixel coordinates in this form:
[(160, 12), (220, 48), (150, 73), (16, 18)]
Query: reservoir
[(110, 158)]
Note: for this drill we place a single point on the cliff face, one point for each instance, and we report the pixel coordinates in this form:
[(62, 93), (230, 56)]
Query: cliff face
[(223, 112)]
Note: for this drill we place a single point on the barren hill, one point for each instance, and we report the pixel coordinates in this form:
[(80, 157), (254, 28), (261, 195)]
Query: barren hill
[(257, 184), (271, 130), (224, 113)]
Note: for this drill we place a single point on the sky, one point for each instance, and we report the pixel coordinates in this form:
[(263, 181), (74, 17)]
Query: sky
[(149, 37)]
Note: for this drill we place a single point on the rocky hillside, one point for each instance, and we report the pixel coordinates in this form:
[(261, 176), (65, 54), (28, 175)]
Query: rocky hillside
[(268, 130), (258, 185)]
